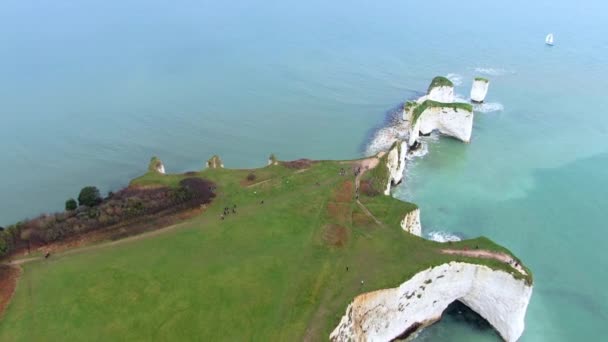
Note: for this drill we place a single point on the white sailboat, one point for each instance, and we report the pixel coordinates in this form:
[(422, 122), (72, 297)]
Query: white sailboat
[(549, 39)]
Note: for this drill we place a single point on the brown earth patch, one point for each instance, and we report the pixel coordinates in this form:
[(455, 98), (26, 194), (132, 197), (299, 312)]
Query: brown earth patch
[(339, 212), (8, 282), (367, 188), (345, 192), (335, 235), (298, 164), (362, 220)]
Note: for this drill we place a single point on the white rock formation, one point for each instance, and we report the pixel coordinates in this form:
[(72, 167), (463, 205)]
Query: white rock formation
[(396, 165), (386, 314), (411, 223), (156, 165), (215, 162), (440, 94), (455, 122), (479, 90)]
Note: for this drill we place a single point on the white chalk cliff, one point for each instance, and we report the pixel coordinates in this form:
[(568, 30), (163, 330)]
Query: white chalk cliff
[(440, 94), (411, 223), (454, 122), (386, 314), (395, 163), (160, 168), (479, 90), (215, 162), (156, 165)]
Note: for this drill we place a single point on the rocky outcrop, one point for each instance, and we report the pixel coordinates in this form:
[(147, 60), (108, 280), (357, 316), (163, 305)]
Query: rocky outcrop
[(156, 165), (411, 223), (452, 119), (441, 89), (383, 315), (272, 160), (215, 162), (479, 89), (395, 163)]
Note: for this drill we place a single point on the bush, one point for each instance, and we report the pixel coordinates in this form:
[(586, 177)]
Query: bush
[(251, 177), (89, 196), (71, 204)]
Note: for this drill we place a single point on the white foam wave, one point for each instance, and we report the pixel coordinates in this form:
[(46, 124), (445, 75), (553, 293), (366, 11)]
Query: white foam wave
[(488, 107), (384, 138), (460, 98), (421, 151), (455, 78), (441, 236), (493, 71)]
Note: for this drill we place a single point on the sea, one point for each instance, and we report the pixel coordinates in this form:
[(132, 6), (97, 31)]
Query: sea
[(90, 90)]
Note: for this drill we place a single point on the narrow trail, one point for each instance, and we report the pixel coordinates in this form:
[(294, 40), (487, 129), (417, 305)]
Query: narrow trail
[(98, 246), (485, 254), (258, 183), (365, 165), (369, 213)]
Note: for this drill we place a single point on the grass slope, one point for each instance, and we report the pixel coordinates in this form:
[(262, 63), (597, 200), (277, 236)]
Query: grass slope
[(273, 271), (419, 109)]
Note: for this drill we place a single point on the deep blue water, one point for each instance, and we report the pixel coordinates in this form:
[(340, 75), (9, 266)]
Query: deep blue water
[(90, 90)]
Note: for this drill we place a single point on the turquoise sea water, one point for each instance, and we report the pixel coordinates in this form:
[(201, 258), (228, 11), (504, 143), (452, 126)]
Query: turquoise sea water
[(90, 90)]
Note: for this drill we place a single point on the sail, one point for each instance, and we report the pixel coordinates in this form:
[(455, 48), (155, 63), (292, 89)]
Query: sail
[(549, 39)]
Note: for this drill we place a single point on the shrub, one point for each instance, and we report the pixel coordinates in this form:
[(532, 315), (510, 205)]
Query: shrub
[(71, 204), (251, 176), (89, 196)]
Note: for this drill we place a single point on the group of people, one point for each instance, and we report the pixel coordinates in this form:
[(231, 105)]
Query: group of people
[(227, 211)]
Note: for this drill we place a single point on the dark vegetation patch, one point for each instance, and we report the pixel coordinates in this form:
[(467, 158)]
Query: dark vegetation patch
[(335, 235), (367, 188), (298, 164), (129, 205), (8, 282)]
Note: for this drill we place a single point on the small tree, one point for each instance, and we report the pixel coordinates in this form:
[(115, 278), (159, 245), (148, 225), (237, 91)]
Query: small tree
[(26, 235), (71, 204), (89, 196)]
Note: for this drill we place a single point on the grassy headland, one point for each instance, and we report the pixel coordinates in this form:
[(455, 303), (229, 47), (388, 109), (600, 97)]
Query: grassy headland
[(282, 264)]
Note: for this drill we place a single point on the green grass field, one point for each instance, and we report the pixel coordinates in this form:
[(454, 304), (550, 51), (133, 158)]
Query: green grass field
[(273, 271)]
